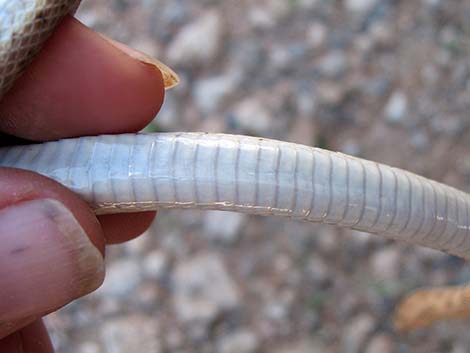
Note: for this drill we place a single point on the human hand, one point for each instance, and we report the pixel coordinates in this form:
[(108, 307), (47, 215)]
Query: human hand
[(52, 245)]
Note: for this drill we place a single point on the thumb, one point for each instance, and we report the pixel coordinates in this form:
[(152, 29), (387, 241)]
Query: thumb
[(46, 260)]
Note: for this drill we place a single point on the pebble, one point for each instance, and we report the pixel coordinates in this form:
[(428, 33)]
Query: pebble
[(316, 35), (396, 108), (380, 343), (241, 341), (450, 126), (375, 87), (385, 264), (306, 104), (459, 348), (203, 289), (356, 333), (318, 270), (174, 12), (308, 4), (252, 116), (138, 246), (420, 140), (333, 65), (351, 147), (223, 226), (209, 92), (268, 14), (122, 277), (330, 93), (280, 58), (462, 165), (198, 43), (167, 118), (130, 334), (89, 347), (360, 6), (303, 132), (155, 264), (305, 346)]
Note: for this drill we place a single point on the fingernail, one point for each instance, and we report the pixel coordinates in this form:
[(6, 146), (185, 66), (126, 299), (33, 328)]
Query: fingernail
[(46, 259), (170, 78)]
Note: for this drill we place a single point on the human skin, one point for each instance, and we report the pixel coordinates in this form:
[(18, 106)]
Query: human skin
[(52, 245)]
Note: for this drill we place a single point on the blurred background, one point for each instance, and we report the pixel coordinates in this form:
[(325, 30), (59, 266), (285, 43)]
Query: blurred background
[(386, 80)]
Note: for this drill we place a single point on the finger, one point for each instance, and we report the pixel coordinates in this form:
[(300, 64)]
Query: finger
[(119, 228), (46, 256), (20, 185), (81, 84), (31, 339), (91, 87)]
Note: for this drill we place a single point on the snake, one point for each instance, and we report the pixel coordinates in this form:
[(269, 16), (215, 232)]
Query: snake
[(196, 170)]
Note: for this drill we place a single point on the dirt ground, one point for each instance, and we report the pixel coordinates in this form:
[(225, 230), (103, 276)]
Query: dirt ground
[(386, 80)]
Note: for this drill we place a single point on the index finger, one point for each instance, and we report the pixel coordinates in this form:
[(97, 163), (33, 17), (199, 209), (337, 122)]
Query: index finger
[(81, 84)]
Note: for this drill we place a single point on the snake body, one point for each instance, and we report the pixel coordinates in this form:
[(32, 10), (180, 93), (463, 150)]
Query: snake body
[(134, 172)]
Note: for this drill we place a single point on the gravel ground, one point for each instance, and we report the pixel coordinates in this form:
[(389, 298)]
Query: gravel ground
[(384, 80)]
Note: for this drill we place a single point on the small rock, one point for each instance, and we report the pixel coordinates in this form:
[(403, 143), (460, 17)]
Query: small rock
[(267, 15), (306, 103), (385, 264), (382, 34), (380, 343), (305, 346), (459, 348), (462, 165), (155, 264), (261, 19), (327, 239), (131, 334), (360, 7), (303, 132), (420, 140), (198, 43), (331, 93), (318, 271), (316, 35), (448, 125), (146, 45), (276, 310), (223, 226), (333, 65), (432, 3), (173, 12), (122, 277), (174, 339), (210, 92), (375, 86), (89, 347), (252, 116), (137, 246), (351, 147), (308, 4), (356, 333), (396, 107), (247, 56), (203, 289), (242, 341), (280, 58), (167, 118)]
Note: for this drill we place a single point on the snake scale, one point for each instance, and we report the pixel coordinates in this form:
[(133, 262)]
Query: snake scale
[(132, 172)]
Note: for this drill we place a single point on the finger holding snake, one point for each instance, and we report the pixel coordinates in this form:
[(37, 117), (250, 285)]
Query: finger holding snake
[(52, 244)]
